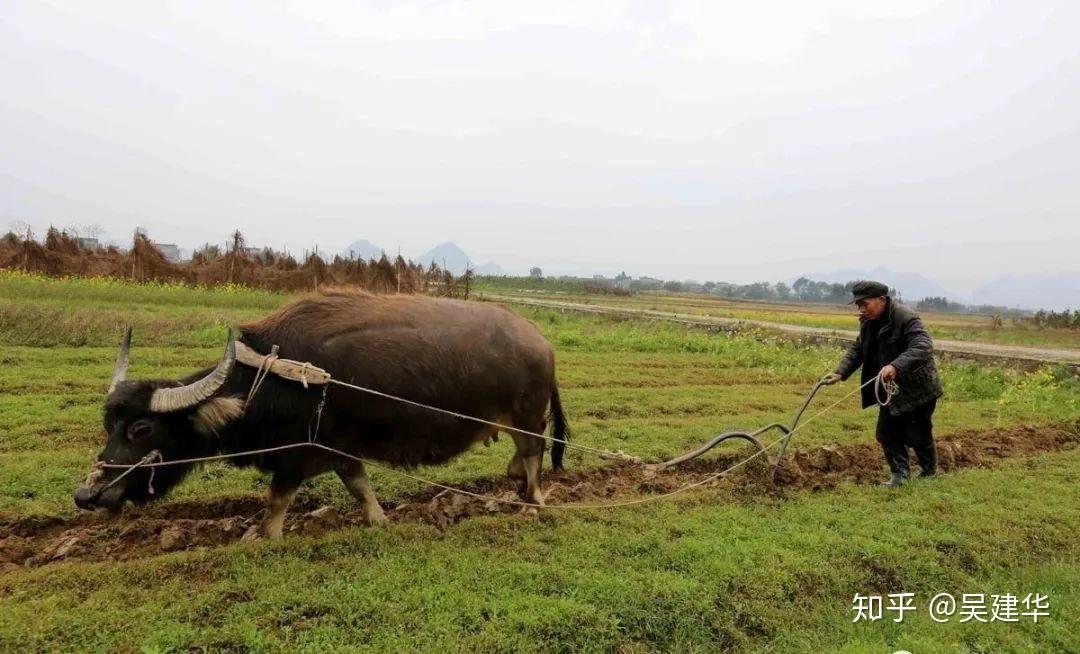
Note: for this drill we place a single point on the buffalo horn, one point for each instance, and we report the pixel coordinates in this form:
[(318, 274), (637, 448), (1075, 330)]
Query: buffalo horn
[(120, 373), (167, 400)]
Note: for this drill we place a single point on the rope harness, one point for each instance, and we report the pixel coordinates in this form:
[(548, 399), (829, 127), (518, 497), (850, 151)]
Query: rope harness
[(152, 460), (298, 371), (261, 373)]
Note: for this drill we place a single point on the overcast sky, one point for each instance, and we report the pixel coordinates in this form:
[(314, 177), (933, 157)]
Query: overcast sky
[(724, 141)]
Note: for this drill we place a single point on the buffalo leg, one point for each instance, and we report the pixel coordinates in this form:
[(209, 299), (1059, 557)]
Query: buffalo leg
[(530, 450), (516, 471), (533, 493), (281, 496), (356, 480)]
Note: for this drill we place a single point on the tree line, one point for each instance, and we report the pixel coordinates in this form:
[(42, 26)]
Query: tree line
[(61, 254)]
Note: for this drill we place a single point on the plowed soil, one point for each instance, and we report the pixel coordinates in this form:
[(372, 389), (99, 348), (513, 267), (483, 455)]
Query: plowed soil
[(174, 526)]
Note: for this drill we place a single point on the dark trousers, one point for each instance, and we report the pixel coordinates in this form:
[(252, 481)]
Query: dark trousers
[(914, 429)]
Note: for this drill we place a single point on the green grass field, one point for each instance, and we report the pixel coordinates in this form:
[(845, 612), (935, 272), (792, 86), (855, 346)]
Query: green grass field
[(711, 570), (953, 326)]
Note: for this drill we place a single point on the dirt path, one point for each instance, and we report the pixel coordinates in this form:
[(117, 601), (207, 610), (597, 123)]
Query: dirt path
[(173, 526), (980, 350)]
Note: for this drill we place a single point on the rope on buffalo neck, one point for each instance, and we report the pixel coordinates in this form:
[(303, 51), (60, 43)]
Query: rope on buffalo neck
[(261, 373), (318, 416)]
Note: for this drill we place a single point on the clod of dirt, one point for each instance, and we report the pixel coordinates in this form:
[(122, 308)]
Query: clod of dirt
[(947, 453), (326, 515), (832, 457), (788, 472), (173, 538), (61, 547), (456, 506), (320, 521), (447, 508)]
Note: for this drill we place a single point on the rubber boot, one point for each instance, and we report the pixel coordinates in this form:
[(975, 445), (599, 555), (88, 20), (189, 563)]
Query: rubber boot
[(896, 481), (927, 461)]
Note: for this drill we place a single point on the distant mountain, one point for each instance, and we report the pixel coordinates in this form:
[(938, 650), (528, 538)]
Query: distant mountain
[(1056, 292), (912, 286), (446, 255), (451, 257), (362, 250)]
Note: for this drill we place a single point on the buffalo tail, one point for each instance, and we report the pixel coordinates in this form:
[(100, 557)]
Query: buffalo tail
[(559, 430)]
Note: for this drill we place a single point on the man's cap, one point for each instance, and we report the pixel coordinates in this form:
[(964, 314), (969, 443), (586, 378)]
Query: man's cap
[(864, 289)]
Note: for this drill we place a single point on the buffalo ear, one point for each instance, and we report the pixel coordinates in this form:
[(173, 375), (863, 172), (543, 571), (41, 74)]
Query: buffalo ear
[(213, 414)]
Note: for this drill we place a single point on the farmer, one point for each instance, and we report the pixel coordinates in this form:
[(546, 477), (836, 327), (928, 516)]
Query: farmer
[(894, 342)]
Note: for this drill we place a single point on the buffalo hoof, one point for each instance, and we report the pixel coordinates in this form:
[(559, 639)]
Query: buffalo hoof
[(376, 519), (258, 532)]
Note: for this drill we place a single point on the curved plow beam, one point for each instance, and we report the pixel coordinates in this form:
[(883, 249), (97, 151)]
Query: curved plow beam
[(751, 437), (746, 436)]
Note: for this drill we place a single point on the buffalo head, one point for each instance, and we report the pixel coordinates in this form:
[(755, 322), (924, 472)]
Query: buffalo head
[(175, 418)]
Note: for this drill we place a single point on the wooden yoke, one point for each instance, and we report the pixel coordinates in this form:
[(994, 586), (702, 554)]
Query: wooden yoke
[(297, 371)]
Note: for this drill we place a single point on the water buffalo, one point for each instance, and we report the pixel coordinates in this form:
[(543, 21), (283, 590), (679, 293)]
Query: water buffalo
[(473, 358)]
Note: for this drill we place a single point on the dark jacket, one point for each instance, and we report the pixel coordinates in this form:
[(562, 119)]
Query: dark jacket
[(903, 341)]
